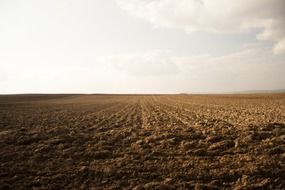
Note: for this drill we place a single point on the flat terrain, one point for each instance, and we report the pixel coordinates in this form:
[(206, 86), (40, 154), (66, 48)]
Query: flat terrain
[(142, 141)]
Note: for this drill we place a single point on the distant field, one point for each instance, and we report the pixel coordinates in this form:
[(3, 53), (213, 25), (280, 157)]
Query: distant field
[(142, 141)]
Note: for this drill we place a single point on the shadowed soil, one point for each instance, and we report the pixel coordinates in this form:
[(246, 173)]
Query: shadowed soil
[(142, 141)]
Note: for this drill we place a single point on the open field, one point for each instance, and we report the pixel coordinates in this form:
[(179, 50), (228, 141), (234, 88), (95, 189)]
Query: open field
[(142, 141)]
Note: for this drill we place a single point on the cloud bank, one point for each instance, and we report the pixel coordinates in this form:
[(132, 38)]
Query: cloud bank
[(221, 16), (158, 71), (238, 71)]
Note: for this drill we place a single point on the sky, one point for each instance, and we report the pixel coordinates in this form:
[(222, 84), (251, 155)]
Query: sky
[(141, 46)]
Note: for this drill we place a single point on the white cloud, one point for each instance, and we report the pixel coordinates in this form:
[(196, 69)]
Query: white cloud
[(157, 71), (152, 63), (252, 68), (279, 48), (222, 16), (248, 69)]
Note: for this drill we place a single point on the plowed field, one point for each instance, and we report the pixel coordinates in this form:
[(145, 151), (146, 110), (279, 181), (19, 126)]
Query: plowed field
[(142, 141)]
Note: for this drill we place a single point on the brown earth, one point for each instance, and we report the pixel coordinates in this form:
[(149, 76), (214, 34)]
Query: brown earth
[(142, 141)]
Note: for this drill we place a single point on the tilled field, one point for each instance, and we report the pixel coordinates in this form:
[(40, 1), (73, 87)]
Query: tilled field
[(142, 142)]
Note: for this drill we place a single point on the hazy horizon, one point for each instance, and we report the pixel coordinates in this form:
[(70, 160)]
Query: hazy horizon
[(141, 46)]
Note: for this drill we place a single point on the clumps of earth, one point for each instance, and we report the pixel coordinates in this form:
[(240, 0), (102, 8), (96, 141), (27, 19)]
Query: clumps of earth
[(142, 142)]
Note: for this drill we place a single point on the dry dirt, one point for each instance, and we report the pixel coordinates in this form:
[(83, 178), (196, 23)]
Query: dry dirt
[(142, 141)]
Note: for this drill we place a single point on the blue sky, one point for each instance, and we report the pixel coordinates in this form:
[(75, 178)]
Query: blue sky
[(146, 46)]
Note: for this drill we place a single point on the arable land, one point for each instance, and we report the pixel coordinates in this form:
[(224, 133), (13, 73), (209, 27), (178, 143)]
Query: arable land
[(142, 141)]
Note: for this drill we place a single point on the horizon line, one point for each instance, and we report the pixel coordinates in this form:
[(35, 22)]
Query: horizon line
[(277, 91)]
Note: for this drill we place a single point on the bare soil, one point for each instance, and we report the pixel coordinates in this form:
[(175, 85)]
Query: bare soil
[(142, 141)]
